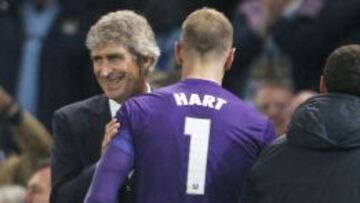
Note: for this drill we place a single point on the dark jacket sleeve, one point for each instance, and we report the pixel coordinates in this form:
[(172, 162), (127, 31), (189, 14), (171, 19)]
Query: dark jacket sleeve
[(308, 41), (336, 20), (70, 181)]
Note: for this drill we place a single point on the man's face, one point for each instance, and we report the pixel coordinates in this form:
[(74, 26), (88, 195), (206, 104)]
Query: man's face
[(273, 101), (118, 72), (38, 188)]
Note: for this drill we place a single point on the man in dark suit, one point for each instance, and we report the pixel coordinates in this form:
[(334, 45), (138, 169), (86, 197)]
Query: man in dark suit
[(123, 49)]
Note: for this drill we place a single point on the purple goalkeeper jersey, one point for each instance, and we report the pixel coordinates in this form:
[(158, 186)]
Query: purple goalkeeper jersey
[(192, 142)]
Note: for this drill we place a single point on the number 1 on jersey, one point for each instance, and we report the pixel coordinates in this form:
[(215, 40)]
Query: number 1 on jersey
[(199, 131)]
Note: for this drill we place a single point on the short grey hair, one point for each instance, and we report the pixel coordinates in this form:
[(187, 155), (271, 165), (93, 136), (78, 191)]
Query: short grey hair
[(126, 28)]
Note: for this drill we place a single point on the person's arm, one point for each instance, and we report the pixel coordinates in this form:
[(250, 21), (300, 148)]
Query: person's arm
[(31, 136), (112, 170), (269, 134), (300, 35), (34, 141), (8, 170), (247, 192)]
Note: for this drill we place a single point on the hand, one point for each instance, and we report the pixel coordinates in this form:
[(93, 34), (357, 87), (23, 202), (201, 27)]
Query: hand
[(8, 106), (5, 100), (274, 8), (271, 10), (110, 131)]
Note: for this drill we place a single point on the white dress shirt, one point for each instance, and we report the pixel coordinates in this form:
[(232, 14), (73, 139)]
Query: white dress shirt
[(115, 106)]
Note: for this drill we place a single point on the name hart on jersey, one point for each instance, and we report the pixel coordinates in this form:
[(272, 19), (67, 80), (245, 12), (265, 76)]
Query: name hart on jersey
[(209, 101)]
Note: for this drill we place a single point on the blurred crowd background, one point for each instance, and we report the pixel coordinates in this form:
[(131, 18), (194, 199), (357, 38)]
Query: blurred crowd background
[(281, 47)]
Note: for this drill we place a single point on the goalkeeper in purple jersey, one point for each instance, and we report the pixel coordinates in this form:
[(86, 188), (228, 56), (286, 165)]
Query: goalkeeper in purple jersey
[(192, 142)]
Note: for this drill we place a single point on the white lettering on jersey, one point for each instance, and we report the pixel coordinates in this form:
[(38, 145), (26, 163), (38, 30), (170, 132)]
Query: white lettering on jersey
[(208, 101), (195, 100), (180, 99), (219, 103)]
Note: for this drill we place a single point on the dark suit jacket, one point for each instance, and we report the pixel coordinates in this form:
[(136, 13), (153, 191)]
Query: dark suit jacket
[(78, 133)]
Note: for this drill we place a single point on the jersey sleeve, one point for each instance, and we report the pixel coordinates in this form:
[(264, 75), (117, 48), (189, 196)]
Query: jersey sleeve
[(269, 134), (123, 140), (114, 166)]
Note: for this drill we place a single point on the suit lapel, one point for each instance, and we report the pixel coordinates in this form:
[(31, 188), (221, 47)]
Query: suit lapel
[(100, 116)]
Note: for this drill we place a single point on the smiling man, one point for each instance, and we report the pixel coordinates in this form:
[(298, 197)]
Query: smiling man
[(193, 141), (123, 49)]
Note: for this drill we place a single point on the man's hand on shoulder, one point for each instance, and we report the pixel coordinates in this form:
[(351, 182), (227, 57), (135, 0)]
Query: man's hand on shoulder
[(111, 130)]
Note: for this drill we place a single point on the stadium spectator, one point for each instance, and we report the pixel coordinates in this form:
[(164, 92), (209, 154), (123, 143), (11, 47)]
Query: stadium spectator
[(32, 138), (43, 61), (38, 187), (253, 21), (292, 37), (314, 30), (189, 142), (319, 159), (123, 50), (273, 99)]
